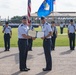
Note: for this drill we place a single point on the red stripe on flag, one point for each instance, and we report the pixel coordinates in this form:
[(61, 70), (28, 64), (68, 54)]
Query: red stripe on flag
[(29, 10)]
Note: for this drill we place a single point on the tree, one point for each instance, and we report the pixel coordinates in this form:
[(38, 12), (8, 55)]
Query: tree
[(16, 19)]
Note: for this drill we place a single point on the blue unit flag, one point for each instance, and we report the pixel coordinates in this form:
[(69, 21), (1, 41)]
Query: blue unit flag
[(46, 8)]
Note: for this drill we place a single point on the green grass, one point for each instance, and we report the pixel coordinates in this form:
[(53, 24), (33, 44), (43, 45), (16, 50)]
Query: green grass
[(62, 40), (13, 39), (58, 28)]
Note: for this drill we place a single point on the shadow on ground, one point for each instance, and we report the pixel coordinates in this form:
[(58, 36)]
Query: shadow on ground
[(43, 73), (16, 73), (1, 52), (66, 52)]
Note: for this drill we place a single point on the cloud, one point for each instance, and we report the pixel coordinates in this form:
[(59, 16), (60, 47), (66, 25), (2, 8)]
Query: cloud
[(4, 4), (35, 5), (12, 8), (19, 7), (65, 5)]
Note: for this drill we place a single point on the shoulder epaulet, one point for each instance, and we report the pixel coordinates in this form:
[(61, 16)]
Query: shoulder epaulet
[(22, 25), (46, 23)]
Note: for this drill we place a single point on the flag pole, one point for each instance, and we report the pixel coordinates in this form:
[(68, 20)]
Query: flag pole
[(54, 7), (53, 12), (29, 11)]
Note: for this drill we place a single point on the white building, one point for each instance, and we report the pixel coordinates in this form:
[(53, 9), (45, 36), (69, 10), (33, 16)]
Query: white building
[(57, 17)]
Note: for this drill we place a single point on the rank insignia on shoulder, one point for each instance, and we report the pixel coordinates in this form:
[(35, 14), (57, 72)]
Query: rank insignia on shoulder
[(46, 23), (22, 25)]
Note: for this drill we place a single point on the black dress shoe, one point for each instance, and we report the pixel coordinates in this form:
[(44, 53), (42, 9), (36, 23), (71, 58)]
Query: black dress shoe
[(5, 50), (72, 49), (8, 50), (28, 68), (53, 49), (30, 50), (24, 70), (46, 69)]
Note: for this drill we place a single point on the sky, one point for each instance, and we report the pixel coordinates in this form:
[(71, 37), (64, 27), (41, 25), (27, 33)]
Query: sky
[(19, 7)]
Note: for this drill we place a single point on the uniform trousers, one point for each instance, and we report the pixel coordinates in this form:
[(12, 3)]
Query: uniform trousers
[(30, 41), (23, 51), (53, 42), (7, 41), (47, 52), (72, 40), (61, 30)]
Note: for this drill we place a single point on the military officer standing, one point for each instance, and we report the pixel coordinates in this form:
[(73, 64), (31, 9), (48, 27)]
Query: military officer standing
[(23, 44), (54, 36), (30, 41), (7, 35), (71, 35), (46, 28), (61, 27)]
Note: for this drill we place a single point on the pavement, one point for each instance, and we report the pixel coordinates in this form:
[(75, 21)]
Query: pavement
[(64, 62)]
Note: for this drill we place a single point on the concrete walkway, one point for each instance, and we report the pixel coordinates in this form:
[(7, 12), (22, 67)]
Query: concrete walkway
[(64, 62)]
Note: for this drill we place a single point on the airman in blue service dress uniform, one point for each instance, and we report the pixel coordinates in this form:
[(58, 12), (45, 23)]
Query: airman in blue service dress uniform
[(54, 36), (23, 44), (61, 27), (7, 35), (46, 28), (71, 35), (30, 41)]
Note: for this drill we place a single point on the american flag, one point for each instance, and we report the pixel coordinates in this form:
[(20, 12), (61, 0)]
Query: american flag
[(29, 11)]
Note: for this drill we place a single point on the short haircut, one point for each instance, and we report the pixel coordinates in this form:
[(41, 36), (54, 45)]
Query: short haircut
[(53, 22), (71, 20), (6, 23), (42, 18), (24, 18)]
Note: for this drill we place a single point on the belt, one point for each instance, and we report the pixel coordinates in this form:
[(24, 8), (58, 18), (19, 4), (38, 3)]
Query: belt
[(71, 33), (47, 39), (6, 33), (21, 39)]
